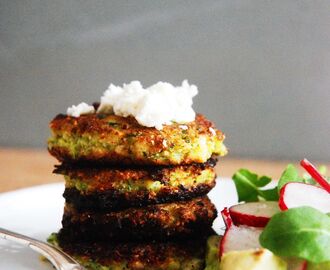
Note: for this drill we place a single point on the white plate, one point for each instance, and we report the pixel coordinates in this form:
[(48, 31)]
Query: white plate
[(37, 212)]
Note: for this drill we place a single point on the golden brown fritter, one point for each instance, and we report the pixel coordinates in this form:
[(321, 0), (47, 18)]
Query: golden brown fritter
[(117, 188), (121, 140), (160, 221)]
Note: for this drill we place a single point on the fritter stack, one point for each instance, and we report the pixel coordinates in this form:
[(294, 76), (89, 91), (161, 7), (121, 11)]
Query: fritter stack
[(135, 196)]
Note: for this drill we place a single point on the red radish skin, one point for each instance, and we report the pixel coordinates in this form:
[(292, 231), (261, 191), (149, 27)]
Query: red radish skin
[(297, 264), (238, 238), (255, 214), (310, 168), (296, 194), (305, 265), (226, 217), (281, 203), (221, 244), (228, 222)]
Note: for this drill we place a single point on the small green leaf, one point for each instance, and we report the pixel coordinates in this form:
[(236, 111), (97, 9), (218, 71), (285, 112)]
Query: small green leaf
[(270, 194), (309, 180), (322, 170), (263, 181), (319, 266), (301, 232), (290, 174), (249, 184)]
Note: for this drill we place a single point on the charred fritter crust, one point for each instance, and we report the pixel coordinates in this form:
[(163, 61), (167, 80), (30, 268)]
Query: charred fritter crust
[(188, 255), (161, 221), (121, 140), (104, 188), (113, 200)]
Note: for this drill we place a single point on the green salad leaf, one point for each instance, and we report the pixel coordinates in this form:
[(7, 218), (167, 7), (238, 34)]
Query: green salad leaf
[(302, 232), (309, 180), (319, 266), (250, 187), (290, 174)]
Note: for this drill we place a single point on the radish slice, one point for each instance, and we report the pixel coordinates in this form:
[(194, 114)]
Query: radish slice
[(296, 264), (226, 217), (295, 194), (255, 214), (310, 168), (240, 238)]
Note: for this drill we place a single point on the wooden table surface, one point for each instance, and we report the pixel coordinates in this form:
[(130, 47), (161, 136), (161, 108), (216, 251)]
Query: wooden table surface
[(22, 168)]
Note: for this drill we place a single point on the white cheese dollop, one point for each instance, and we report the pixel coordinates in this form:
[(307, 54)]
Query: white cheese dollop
[(212, 131), (80, 109), (183, 127), (155, 106)]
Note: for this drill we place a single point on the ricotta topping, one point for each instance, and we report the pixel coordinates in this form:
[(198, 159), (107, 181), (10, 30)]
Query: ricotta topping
[(212, 131), (158, 105), (184, 127), (80, 109), (155, 106)]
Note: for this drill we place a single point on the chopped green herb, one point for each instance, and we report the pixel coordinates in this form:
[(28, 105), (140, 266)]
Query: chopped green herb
[(114, 124), (101, 116)]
